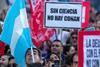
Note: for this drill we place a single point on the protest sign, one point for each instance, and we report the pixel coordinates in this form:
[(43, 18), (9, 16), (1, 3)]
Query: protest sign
[(63, 15), (89, 49)]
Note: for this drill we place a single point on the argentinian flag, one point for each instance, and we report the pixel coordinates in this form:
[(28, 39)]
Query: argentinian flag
[(16, 31)]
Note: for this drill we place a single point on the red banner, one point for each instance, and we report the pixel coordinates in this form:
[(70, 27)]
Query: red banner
[(38, 31)]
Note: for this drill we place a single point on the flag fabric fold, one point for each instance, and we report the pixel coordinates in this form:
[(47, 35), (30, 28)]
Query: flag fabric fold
[(38, 31), (16, 31)]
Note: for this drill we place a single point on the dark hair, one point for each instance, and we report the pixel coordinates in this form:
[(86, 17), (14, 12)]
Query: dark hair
[(57, 41), (74, 32), (68, 60), (97, 13), (11, 57), (13, 65), (33, 49), (35, 65), (7, 47)]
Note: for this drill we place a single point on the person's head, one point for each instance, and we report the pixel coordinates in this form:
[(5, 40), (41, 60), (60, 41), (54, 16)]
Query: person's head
[(98, 16), (11, 62), (28, 56), (75, 60), (3, 14), (54, 60), (70, 49), (57, 47), (97, 25), (74, 36), (4, 60), (97, 21)]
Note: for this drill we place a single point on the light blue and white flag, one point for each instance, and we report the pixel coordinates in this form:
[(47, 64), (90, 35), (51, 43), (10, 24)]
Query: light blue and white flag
[(16, 31)]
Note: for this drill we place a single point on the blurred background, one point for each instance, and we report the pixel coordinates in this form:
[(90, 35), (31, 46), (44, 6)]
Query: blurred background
[(94, 3)]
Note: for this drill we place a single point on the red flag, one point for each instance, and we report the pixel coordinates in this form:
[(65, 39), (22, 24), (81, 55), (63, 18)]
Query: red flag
[(2, 48), (38, 31)]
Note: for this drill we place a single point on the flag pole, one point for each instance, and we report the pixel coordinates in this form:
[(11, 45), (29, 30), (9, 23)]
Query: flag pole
[(32, 53), (31, 9)]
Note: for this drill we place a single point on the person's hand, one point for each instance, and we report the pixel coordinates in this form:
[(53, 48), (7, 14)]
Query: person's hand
[(49, 64), (54, 57)]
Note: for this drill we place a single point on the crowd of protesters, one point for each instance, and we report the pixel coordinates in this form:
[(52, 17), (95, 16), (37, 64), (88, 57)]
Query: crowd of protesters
[(57, 53)]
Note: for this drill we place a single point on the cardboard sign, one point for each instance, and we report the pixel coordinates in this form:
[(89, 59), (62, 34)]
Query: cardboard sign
[(89, 49), (63, 15)]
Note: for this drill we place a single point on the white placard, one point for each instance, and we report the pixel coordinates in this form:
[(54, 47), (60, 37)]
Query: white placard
[(63, 15), (92, 51)]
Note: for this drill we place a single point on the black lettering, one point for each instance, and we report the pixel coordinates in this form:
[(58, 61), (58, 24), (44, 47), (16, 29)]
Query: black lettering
[(96, 42), (71, 18), (99, 52), (53, 10), (88, 63), (89, 53), (68, 11), (95, 53), (95, 63), (50, 17), (58, 18), (88, 42)]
